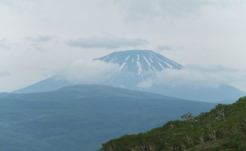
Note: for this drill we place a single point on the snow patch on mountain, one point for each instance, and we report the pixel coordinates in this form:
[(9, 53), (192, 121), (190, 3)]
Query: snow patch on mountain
[(140, 62)]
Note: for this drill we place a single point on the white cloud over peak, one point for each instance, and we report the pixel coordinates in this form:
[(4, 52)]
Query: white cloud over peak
[(108, 42), (199, 76), (89, 72), (5, 74), (146, 9)]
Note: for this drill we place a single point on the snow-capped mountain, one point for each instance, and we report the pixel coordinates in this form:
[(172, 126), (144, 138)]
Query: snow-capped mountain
[(140, 61), (136, 66)]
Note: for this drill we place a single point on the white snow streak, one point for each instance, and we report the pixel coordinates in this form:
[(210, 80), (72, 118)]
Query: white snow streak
[(139, 67)]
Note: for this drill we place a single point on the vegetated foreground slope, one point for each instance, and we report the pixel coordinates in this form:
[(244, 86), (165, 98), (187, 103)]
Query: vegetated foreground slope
[(81, 118), (222, 129)]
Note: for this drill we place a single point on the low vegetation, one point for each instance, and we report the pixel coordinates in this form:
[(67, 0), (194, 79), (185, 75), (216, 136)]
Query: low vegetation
[(221, 129)]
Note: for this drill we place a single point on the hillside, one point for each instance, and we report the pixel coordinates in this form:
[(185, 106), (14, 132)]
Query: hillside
[(82, 117), (221, 129)]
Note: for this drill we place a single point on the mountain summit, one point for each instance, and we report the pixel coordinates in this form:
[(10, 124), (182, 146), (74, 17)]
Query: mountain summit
[(137, 66), (140, 61)]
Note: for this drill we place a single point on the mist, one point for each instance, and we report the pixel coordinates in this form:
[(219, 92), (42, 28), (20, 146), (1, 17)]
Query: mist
[(198, 76)]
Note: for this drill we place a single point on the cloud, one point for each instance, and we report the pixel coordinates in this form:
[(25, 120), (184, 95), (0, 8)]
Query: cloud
[(89, 72), (18, 3), (40, 39), (108, 42), (4, 44), (166, 47), (41, 43), (141, 9), (5, 74), (206, 76)]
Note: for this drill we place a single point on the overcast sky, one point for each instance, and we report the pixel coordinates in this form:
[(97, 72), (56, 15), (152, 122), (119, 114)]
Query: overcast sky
[(41, 37)]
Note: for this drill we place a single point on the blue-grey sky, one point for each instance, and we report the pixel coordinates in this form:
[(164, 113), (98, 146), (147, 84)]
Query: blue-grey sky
[(41, 37)]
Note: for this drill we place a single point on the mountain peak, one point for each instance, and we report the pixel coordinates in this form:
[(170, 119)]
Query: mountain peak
[(134, 51), (140, 61)]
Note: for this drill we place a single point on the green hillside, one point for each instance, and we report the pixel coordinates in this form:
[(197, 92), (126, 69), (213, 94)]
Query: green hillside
[(221, 129)]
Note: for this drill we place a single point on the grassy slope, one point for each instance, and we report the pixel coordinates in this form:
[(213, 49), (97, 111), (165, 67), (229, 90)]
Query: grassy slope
[(222, 129)]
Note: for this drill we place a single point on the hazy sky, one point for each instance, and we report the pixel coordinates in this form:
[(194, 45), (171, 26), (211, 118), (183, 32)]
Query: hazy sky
[(41, 37)]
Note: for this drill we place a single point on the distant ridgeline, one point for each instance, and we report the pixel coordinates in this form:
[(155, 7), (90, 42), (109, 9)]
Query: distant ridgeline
[(221, 129)]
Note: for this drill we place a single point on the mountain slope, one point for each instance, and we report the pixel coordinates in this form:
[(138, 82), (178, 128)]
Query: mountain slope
[(221, 129), (220, 94), (49, 84), (82, 117)]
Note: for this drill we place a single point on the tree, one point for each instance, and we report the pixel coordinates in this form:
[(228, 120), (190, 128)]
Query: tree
[(187, 116)]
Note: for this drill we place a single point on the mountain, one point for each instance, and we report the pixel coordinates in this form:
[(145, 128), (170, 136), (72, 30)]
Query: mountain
[(136, 66), (139, 65), (140, 62), (82, 117), (221, 129), (221, 94), (49, 84)]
